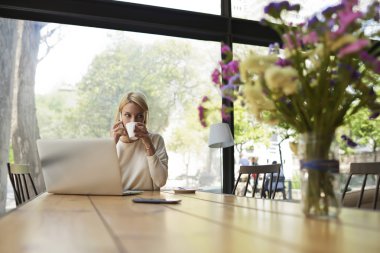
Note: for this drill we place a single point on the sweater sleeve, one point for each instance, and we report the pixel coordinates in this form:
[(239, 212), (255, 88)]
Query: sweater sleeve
[(158, 163)]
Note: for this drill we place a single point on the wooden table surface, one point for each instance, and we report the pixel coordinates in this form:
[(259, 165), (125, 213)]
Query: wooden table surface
[(202, 222)]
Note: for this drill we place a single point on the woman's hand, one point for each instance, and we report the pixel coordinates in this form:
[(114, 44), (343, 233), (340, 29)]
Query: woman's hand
[(118, 131), (142, 133)]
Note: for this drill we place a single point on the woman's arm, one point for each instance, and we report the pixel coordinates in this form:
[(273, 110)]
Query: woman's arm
[(158, 162)]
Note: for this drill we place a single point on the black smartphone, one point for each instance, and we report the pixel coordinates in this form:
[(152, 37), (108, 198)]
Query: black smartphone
[(156, 201)]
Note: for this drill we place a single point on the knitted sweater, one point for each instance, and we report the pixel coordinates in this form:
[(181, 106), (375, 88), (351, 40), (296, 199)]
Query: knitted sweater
[(139, 171)]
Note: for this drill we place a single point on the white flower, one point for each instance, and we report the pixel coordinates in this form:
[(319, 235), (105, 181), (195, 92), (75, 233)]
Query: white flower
[(255, 64), (256, 99), (283, 80)]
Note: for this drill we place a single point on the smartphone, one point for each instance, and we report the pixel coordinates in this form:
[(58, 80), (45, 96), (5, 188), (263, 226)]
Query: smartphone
[(156, 201)]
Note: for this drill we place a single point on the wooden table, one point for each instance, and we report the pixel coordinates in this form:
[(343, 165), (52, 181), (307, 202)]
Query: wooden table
[(203, 222)]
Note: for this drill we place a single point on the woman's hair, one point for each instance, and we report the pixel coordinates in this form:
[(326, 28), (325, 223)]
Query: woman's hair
[(137, 98)]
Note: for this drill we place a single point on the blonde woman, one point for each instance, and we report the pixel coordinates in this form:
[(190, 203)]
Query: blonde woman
[(144, 161)]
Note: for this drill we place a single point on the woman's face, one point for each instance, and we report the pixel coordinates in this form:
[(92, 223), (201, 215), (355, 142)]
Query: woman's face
[(131, 112)]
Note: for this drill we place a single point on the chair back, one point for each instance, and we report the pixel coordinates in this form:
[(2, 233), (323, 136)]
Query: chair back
[(259, 171), (363, 169), (18, 175)]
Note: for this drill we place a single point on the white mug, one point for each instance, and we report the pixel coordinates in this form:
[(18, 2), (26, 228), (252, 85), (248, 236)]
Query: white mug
[(130, 126)]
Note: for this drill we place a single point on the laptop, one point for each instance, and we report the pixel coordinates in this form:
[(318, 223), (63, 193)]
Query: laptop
[(81, 166)]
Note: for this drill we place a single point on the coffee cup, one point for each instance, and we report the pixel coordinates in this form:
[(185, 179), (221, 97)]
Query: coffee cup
[(130, 126)]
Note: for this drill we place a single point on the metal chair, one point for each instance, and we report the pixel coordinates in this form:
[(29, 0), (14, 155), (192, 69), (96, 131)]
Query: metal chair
[(364, 169), (18, 173), (259, 170), (280, 186)]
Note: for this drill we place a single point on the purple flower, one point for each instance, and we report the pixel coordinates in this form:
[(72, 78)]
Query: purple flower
[(215, 76), (283, 62), (274, 48), (355, 75), (201, 114), (345, 19), (349, 141), (312, 22), (229, 89), (353, 47), (230, 69), (371, 60), (310, 38), (374, 115), (289, 40), (274, 9), (348, 4), (350, 71), (331, 10), (225, 49), (233, 66), (377, 12), (205, 99), (234, 79)]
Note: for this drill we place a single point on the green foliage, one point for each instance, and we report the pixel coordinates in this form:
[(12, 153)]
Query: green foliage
[(296, 181), (53, 113), (247, 129), (362, 130), (169, 73), (185, 141)]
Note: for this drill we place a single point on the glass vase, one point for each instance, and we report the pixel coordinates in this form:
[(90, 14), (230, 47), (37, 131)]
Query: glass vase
[(320, 179)]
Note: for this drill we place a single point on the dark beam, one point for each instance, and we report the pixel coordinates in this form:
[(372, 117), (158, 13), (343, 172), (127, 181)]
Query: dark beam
[(136, 18)]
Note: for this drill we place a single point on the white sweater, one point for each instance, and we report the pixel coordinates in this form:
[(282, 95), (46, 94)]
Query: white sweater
[(139, 171)]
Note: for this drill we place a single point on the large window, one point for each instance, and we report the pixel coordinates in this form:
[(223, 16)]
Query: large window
[(82, 78), (82, 73)]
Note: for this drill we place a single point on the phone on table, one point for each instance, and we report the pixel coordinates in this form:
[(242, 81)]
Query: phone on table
[(156, 200)]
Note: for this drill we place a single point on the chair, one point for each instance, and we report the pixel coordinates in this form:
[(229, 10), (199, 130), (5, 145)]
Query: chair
[(259, 170), (363, 169), (280, 185), (18, 173)]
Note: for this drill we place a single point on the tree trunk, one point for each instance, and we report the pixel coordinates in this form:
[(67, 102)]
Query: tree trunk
[(26, 130), (8, 41)]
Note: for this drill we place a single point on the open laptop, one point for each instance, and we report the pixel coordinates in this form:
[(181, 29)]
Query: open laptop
[(81, 166)]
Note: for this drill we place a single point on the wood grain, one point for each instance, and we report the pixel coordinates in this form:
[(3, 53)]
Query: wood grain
[(203, 222)]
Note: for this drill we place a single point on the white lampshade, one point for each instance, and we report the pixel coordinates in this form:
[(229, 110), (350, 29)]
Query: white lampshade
[(220, 136)]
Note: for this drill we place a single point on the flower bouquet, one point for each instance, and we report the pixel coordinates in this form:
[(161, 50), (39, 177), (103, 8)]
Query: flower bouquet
[(329, 68)]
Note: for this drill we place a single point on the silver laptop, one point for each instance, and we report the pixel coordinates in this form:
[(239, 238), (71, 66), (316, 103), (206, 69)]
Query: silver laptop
[(81, 166)]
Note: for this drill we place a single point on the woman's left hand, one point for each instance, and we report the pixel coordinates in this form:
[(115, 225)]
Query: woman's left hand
[(141, 131)]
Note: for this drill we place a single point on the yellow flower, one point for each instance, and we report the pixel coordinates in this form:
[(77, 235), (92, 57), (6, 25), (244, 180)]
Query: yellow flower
[(283, 80), (256, 99), (255, 64)]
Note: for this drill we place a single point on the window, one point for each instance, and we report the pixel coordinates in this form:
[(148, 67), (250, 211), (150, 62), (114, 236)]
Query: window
[(83, 73)]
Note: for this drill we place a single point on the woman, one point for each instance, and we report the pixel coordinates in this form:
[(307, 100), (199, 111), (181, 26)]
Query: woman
[(143, 162)]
